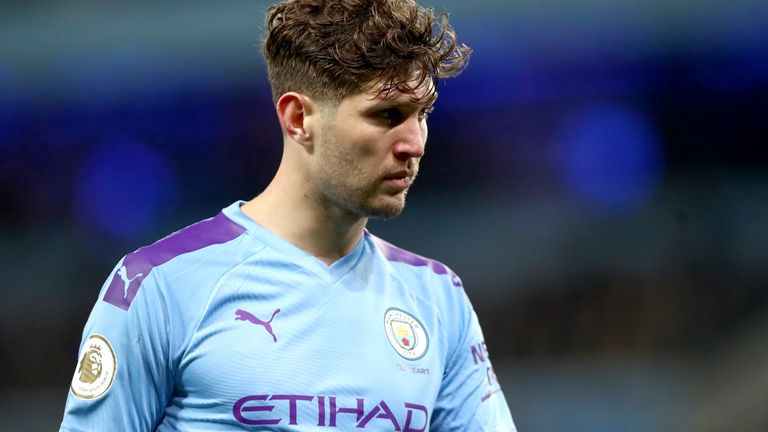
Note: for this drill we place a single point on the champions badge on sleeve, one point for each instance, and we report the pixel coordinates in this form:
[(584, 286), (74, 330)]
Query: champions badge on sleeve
[(95, 370)]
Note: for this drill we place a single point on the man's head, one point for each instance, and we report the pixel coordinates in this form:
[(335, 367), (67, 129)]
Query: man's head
[(329, 49), (353, 81)]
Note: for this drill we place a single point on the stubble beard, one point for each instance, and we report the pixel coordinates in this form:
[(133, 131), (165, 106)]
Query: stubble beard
[(349, 187)]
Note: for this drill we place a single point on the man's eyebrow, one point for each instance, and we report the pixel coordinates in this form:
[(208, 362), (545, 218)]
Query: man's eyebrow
[(391, 103)]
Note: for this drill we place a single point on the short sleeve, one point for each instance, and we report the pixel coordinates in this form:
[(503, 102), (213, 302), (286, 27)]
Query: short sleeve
[(470, 398), (122, 379)]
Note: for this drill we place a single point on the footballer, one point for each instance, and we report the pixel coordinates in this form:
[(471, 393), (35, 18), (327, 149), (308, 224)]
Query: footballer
[(283, 313)]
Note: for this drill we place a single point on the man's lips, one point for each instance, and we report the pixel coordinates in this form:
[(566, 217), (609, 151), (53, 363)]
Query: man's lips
[(398, 175), (399, 180)]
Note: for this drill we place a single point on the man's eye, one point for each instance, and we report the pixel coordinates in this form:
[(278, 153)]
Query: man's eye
[(391, 115)]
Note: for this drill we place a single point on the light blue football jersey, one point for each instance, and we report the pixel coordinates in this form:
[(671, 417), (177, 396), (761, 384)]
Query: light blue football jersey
[(226, 326)]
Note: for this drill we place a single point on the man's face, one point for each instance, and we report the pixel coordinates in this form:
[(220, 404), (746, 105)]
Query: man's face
[(369, 149)]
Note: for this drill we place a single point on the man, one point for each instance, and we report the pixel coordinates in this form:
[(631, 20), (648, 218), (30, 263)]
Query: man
[(284, 313)]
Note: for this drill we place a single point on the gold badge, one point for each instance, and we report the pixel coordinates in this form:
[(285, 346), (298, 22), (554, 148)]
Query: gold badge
[(96, 369)]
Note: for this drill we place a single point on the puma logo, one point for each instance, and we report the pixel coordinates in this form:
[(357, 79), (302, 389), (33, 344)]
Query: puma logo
[(242, 315), (123, 272)]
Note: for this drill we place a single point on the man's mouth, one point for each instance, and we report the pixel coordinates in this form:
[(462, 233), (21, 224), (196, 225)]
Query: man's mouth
[(399, 180), (398, 175)]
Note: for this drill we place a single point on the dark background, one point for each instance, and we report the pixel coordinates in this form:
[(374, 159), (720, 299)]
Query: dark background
[(598, 177)]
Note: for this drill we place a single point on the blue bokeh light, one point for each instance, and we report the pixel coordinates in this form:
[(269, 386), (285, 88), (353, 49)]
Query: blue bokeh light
[(610, 156), (124, 188)]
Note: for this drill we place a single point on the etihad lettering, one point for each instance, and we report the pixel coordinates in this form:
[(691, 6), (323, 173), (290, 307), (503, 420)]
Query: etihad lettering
[(357, 411), (260, 410)]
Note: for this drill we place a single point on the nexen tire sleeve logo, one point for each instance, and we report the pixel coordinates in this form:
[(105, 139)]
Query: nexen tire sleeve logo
[(253, 410)]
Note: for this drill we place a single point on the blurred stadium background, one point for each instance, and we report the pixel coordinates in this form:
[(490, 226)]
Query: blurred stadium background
[(598, 176)]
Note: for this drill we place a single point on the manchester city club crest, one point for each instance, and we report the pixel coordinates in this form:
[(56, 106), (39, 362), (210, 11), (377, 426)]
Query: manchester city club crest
[(95, 369), (406, 334)]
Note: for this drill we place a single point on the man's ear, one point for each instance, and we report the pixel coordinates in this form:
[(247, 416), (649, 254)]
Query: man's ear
[(293, 110)]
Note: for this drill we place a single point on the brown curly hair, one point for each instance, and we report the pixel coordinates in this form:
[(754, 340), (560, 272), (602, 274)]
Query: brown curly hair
[(329, 49)]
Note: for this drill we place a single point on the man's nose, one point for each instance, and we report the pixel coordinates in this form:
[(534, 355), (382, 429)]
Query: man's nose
[(411, 139)]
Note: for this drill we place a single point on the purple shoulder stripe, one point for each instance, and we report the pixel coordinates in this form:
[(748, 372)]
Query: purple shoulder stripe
[(138, 264), (394, 253)]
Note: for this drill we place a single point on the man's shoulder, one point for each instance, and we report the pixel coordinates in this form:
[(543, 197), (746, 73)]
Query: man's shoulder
[(413, 262), (197, 237), (171, 255)]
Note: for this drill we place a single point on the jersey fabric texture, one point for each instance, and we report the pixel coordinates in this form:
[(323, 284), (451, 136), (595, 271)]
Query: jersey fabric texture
[(226, 326)]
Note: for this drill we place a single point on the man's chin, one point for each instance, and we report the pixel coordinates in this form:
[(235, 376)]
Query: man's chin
[(386, 208)]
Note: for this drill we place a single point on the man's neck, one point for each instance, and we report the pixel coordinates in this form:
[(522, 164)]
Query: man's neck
[(325, 233)]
